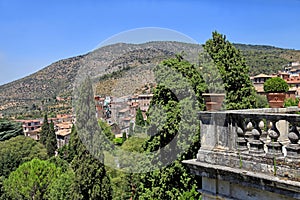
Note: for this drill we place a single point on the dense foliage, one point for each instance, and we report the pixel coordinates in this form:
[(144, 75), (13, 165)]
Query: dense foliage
[(45, 131), (210, 74), (38, 179), (139, 119), (9, 129), (88, 142), (276, 84), (172, 135), (51, 143), (234, 72), (291, 102), (261, 101), (18, 150), (266, 59), (48, 136)]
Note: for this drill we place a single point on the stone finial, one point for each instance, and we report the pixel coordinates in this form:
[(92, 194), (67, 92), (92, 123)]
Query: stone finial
[(293, 149)]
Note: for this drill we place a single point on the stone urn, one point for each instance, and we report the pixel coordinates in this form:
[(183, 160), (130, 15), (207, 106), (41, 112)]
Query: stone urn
[(213, 101), (276, 100)]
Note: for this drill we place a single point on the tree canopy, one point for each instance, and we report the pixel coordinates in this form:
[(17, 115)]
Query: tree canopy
[(88, 141), (174, 130), (18, 150), (9, 129), (240, 93), (51, 142), (31, 180)]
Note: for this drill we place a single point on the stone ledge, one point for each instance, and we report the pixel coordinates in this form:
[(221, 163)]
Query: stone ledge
[(246, 178), (285, 167)]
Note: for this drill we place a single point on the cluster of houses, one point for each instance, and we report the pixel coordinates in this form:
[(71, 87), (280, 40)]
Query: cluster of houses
[(120, 112), (290, 73), (117, 112), (62, 124)]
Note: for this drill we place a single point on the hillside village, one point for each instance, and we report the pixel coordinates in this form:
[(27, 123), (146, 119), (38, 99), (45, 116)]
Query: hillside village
[(117, 112), (120, 112)]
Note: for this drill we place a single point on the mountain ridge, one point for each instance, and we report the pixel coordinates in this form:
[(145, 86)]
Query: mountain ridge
[(57, 78)]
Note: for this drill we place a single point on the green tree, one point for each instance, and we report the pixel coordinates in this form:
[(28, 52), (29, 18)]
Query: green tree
[(51, 142), (31, 180), (234, 72), (139, 119), (9, 129), (45, 131), (178, 95), (18, 150), (91, 181), (60, 188), (124, 137), (130, 131), (106, 130)]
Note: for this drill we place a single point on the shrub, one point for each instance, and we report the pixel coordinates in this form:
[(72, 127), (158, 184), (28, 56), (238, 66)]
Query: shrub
[(118, 141), (261, 101), (291, 102), (276, 84)]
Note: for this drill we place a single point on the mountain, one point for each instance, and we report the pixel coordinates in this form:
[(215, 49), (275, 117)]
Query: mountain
[(122, 69), (58, 78)]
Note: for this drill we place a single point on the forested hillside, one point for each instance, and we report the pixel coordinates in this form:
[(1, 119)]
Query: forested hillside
[(267, 59)]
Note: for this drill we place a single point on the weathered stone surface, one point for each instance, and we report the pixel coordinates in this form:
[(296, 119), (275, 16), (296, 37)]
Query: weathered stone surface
[(242, 184), (234, 165)]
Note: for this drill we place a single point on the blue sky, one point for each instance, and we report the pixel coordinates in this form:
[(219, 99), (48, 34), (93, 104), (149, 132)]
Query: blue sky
[(35, 33)]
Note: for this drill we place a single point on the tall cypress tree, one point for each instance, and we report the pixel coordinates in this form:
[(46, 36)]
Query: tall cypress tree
[(240, 93), (51, 142), (91, 181), (139, 119), (45, 131)]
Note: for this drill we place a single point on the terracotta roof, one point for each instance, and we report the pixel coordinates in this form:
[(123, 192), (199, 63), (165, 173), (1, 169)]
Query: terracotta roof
[(293, 81), (263, 76), (64, 125), (63, 132), (30, 120)]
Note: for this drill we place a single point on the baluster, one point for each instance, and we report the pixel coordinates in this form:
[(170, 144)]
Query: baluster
[(256, 145), (241, 140), (249, 127), (293, 149), (274, 147), (264, 133)]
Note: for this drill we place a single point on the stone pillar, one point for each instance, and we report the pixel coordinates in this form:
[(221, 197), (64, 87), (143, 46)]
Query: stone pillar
[(274, 147), (256, 145), (293, 149), (241, 131), (208, 131)]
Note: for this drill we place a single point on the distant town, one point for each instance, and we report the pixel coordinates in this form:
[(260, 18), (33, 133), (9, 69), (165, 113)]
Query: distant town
[(117, 112)]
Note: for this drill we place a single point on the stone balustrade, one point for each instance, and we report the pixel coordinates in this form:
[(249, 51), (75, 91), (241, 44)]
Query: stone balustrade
[(256, 148)]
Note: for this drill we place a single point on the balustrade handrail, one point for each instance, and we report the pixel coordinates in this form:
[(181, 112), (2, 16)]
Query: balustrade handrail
[(254, 134)]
